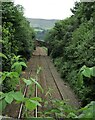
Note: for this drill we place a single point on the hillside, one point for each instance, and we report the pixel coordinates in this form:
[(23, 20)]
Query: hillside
[(42, 23)]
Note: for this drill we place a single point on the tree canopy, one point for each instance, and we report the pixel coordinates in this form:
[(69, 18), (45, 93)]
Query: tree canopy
[(17, 35), (72, 45)]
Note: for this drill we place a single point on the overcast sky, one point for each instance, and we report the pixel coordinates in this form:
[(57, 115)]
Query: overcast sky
[(47, 9)]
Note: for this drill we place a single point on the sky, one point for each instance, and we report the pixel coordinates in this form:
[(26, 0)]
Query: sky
[(47, 9)]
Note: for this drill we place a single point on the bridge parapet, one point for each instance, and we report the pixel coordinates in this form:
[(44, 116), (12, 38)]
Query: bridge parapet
[(40, 43)]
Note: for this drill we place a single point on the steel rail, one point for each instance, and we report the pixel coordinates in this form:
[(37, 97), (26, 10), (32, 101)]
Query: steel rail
[(24, 94), (54, 80), (25, 91), (36, 89)]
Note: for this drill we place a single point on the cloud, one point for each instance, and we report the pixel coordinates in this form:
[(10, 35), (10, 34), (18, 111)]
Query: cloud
[(47, 9)]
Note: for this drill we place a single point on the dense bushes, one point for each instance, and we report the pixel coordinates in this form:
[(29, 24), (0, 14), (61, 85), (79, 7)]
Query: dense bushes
[(17, 34), (17, 38), (72, 45)]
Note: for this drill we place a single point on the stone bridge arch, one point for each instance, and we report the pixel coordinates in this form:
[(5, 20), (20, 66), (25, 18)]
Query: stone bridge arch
[(41, 43)]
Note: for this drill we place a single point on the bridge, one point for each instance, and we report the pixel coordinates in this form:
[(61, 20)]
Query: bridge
[(41, 43)]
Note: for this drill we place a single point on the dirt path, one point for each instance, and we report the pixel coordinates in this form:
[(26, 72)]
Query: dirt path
[(49, 78)]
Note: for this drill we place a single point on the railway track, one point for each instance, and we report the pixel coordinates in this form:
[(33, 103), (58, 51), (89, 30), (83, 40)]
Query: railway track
[(33, 69), (41, 60), (48, 78)]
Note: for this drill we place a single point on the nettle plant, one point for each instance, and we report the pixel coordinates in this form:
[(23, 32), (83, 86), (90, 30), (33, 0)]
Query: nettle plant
[(87, 72), (89, 110), (14, 95)]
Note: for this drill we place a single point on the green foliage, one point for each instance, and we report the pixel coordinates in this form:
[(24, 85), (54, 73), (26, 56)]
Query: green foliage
[(87, 72), (32, 103), (16, 59), (61, 109), (72, 45), (10, 77), (32, 81), (18, 96), (88, 111), (7, 98), (17, 35), (38, 85), (2, 105), (17, 66), (27, 82), (38, 70), (10, 96), (2, 55), (17, 47), (57, 108)]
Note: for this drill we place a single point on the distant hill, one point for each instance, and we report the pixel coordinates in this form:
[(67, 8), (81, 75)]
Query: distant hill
[(42, 23)]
